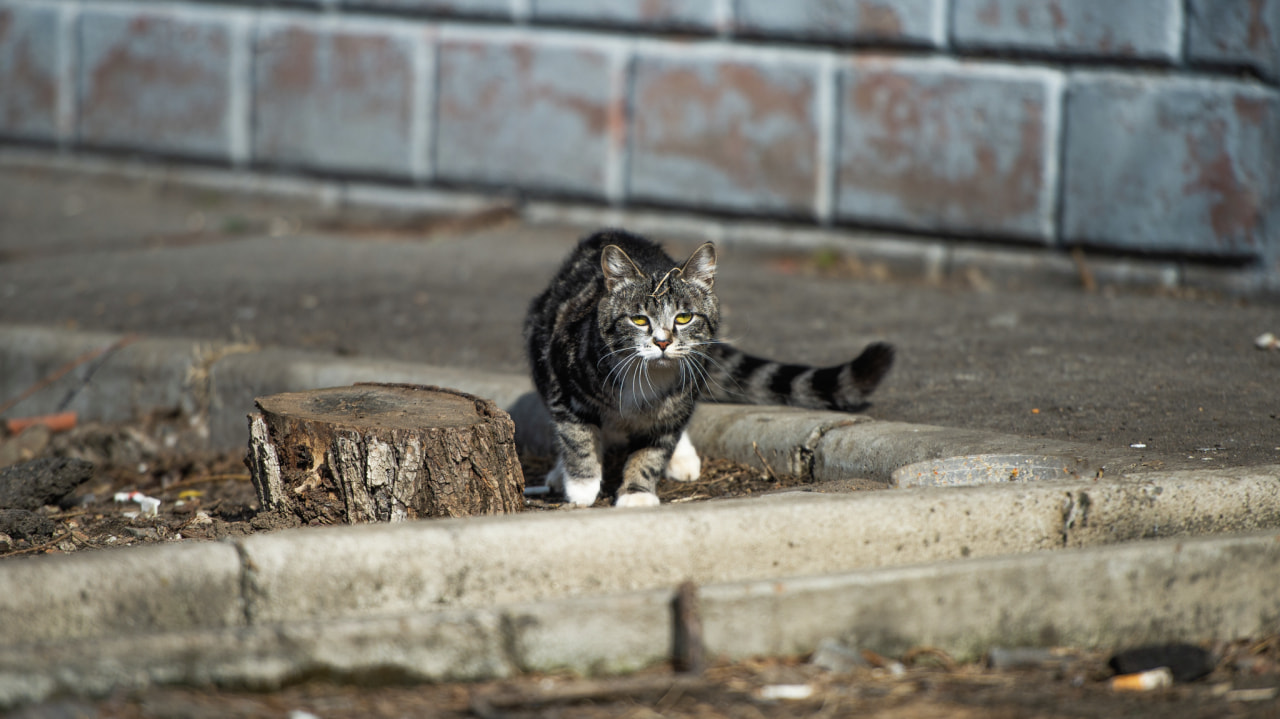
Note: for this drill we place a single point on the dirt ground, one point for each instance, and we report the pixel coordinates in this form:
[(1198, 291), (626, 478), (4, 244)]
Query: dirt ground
[(208, 495), (1071, 685), (205, 496)]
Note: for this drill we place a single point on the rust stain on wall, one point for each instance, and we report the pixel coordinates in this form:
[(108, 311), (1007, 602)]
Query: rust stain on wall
[(1259, 30), (1250, 110), (1234, 212), (37, 87), (911, 118), (123, 73), (989, 15), (1058, 17), (780, 167), (292, 59), (879, 19)]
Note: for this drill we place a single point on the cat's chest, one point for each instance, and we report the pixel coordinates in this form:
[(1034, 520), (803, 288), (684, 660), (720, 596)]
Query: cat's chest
[(648, 397)]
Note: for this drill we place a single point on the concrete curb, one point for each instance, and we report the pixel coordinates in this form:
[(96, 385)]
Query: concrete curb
[(333, 573), (1186, 590)]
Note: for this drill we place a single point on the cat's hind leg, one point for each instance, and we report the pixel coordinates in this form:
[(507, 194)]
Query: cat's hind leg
[(685, 465)]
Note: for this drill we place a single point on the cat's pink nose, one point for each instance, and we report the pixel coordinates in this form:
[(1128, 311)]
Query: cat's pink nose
[(662, 344)]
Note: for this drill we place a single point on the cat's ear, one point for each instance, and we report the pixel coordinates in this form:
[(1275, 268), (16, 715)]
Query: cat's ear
[(617, 267), (701, 266)]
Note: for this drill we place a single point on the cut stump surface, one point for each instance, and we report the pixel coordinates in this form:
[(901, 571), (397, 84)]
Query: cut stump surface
[(383, 453)]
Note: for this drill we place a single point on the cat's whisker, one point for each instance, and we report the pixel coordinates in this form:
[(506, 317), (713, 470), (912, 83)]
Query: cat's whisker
[(721, 369), (607, 355), (704, 377), (620, 366)]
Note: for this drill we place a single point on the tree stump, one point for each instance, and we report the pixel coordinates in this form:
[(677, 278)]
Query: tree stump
[(383, 453)]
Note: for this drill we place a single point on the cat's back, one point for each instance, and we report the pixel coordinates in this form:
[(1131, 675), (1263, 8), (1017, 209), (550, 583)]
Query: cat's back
[(584, 261)]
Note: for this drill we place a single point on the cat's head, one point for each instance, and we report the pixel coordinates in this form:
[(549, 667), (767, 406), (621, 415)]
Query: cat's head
[(662, 317)]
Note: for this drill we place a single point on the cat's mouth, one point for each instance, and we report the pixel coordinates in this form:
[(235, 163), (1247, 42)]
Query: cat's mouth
[(662, 361)]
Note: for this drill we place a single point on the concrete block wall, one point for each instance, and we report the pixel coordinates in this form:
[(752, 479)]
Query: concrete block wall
[(1134, 126)]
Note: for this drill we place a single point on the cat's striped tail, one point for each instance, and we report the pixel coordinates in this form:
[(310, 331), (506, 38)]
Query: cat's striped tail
[(735, 376)]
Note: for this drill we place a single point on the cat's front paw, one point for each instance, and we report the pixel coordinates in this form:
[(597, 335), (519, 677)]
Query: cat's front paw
[(581, 492), (636, 499), (685, 465)]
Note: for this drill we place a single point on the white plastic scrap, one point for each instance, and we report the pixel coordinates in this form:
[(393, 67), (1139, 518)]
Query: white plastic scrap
[(149, 505), (1267, 341), (786, 691)]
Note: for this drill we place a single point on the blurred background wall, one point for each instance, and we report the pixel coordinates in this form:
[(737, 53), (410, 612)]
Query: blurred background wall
[(1147, 127)]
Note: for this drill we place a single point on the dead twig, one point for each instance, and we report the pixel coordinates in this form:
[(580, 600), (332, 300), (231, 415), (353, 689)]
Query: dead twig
[(769, 470), (233, 476), (496, 704), (1082, 268), (910, 657), (39, 547), (62, 371)]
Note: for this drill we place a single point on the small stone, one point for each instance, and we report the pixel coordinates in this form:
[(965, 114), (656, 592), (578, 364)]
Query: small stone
[(143, 532), (834, 656), (24, 446), (34, 484), (1186, 662), (24, 524)]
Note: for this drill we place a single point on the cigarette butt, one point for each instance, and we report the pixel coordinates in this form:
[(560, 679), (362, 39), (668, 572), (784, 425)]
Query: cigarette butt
[(60, 422), (1143, 681)]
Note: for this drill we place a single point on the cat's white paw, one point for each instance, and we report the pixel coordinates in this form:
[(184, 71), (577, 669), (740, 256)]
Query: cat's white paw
[(685, 465), (636, 499), (581, 492)]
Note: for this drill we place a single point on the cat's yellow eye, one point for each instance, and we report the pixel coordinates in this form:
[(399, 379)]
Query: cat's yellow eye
[(640, 320), (684, 318)]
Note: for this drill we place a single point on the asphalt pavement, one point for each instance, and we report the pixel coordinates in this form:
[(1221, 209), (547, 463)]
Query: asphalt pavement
[(1171, 375)]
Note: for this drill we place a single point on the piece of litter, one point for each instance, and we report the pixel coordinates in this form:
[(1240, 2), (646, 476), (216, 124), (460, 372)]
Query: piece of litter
[(786, 691), (1143, 681), (1267, 341), (149, 505), (1185, 662), (537, 491), (1262, 694), (1137, 445)]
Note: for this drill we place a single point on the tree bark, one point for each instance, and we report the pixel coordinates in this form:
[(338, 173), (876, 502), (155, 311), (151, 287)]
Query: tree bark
[(383, 453)]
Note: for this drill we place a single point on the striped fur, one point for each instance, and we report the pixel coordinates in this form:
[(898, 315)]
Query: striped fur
[(623, 343)]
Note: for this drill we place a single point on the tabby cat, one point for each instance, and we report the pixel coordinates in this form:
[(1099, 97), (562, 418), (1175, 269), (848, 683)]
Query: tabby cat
[(623, 344)]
